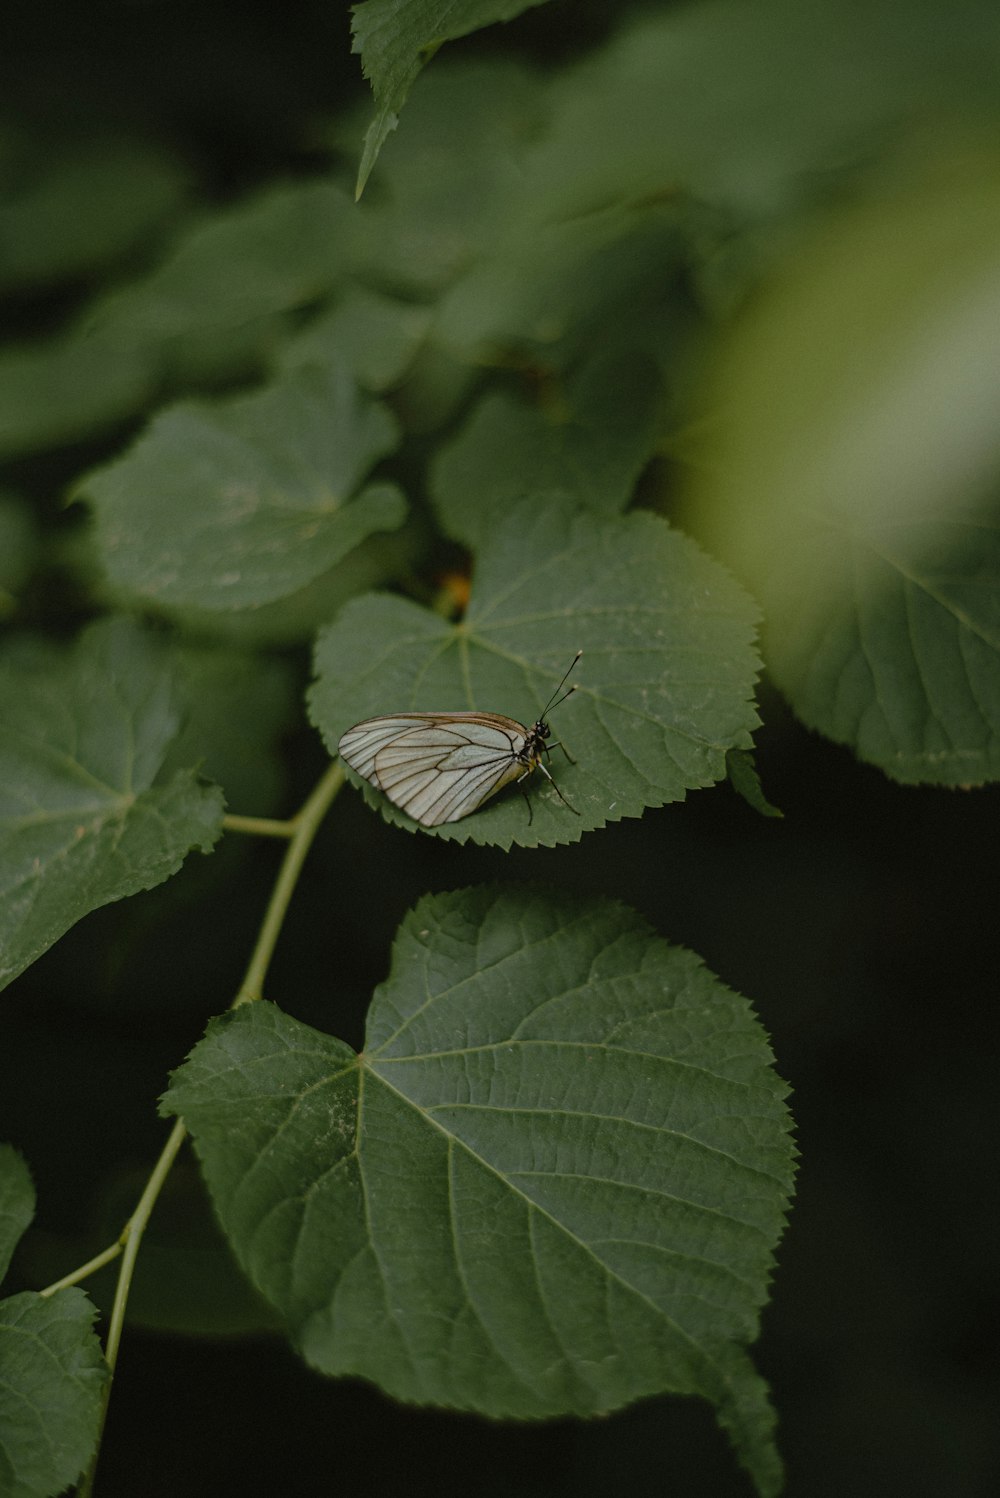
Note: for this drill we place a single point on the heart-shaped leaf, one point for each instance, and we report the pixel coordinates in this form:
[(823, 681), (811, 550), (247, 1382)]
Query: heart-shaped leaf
[(83, 818), (551, 1183), (236, 503), (664, 688), (52, 1375), (51, 1367), (17, 1202), (588, 440)]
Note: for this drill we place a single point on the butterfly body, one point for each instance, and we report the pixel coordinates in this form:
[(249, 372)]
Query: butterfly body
[(439, 767)]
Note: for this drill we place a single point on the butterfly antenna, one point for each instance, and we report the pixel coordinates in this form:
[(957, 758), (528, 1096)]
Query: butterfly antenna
[(552, 700)]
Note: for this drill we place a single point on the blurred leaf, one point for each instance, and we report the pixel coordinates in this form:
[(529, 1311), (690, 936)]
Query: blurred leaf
[(294, 619), (186, 1278), (683, 151), (744, 106), (238, 706), (282, 249), (377, 335), (212, 310), (52, 1374), (745, 781), (853, 481), (395, 39), (74, 207), (561, 289), (441, 1216), (58, 390), (445, 195), (17, 1204), (18, 549), (235, 503), (664, 689), (83, 737), (436, 388), (589, 442)]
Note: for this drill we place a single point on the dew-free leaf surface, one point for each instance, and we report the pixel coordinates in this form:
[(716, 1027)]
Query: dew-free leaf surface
[(237, 704), (664, 688), (395, 39), (19, 549), (446, 196), (78, 206), (52, 1373), (376, 335), (272, 252), (551, 1183), (745, 781), (84, 819), (888, 639), (589, 441), (58, 389), (855, 489), (17, 1202), (240, 502)]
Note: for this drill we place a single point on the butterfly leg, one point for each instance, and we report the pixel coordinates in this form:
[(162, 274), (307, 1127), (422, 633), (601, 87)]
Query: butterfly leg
[(558, 792), (560, 745), (519, 782)]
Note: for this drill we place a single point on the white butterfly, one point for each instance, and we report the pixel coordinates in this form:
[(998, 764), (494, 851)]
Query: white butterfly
[(438, 767)]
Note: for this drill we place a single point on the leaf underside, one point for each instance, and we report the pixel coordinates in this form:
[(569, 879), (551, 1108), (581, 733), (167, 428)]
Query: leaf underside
[(551, 1183), (84, 818)]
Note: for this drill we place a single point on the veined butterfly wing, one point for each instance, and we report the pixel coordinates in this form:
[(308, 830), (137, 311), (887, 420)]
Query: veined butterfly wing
[(438, 767)]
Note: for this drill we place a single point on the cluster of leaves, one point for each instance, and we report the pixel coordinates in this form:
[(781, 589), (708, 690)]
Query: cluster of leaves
[(553, 1180)]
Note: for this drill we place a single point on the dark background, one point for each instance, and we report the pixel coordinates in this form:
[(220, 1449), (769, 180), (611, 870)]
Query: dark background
[(863, 927)]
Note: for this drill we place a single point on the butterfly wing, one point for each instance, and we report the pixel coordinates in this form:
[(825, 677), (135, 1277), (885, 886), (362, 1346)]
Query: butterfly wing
[(437, 767)]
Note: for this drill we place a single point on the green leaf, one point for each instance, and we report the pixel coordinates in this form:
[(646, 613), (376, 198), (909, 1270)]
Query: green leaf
[(395, 39), (18, 549), (559, 289), (551, 1184), (79, 205), (745, 781), (186, 1279), (238, 705), (664, 688), (377, 335), (52, 1376), (446, 196), (589, 441), (294, 619), (887, 638), (61, 389), (84, 817), (670, 104), (213, 308), (231, 504), (17, 1203), (271, 253), (856, 488)]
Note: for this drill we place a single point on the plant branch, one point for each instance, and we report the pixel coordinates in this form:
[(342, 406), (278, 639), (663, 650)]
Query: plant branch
[(262, 826), (106, 1256), (305, 824), (301, 830), (129, 1242)]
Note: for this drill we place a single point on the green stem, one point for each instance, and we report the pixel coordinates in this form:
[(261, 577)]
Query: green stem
[(130, 1240), (262, 826), (106, 1256), (305, 824), (302, 829)]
